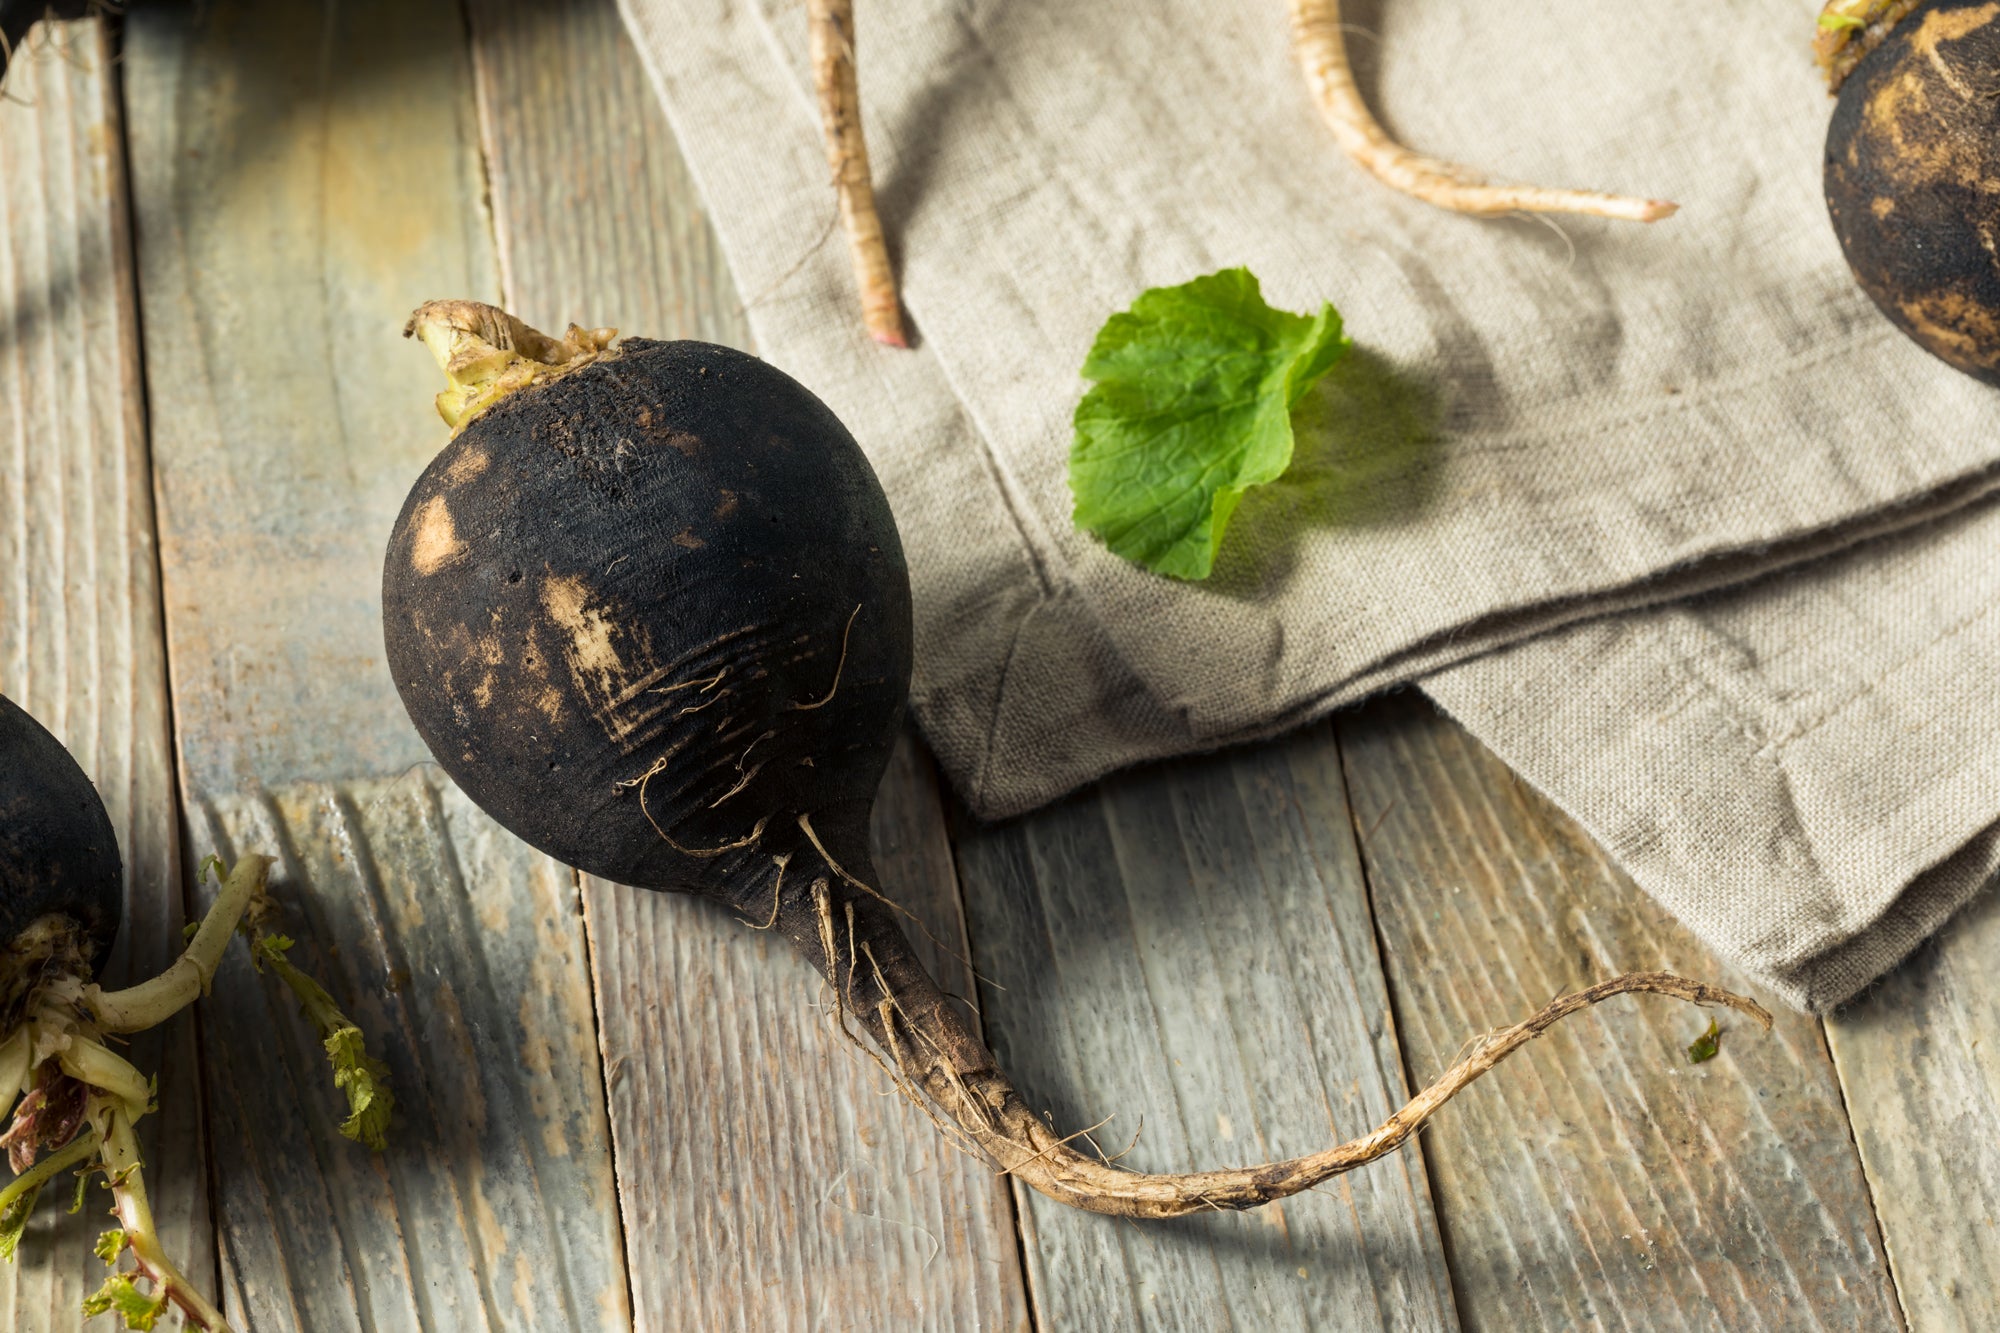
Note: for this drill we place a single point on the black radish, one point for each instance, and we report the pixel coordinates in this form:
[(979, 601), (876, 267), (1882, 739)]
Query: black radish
[(649, 609), (1913, 171)]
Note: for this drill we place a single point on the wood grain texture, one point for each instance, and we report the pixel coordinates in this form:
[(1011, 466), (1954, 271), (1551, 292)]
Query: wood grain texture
[(304, 175), (595, 218), (1597, 1180), (490, 1208), (794, 1188), (767, 1156), (80, 637), (1919, 1059), (1189, 946)]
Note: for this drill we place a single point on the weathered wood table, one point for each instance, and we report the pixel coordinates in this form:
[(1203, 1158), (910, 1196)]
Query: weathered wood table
[(623, 1109)]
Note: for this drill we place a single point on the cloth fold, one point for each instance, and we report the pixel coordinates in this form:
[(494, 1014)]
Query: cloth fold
[(1547, 432)]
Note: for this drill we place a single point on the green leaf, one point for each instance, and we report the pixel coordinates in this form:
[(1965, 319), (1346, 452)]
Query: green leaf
[(1192, 407), (14, 1221), (118, 1296), (1706, 1045), (210, 864), (110, 1245), (1837, 22), (364, 1079)]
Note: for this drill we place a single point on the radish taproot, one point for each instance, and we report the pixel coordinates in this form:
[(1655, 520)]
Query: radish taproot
[(649, 609), (73, 1101), (1913, 167)]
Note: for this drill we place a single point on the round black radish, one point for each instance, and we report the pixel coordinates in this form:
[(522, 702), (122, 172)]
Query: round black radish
[(58, 852), (1913, 179), (652, 614), (649, 609)]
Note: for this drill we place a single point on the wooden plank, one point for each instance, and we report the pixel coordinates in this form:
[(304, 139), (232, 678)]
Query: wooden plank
[(80, 636), (1598, 1179), (303, 176), (1917, 1062), (1189, 946), (753, 1146), (595, 217), (792, 1186)]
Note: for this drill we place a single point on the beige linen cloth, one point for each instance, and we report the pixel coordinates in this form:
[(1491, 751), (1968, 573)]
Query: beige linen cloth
[(1543, 438)]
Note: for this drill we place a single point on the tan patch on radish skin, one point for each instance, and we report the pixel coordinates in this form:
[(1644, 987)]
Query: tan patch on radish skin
[(590, 652), (1905, 110), (1959, 328), (467, 466), (435, 542), (601, 673), (1941, 26)]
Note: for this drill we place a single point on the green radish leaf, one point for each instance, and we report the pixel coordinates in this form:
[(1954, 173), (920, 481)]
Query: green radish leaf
[(14, 1220), (118, 1296), (364, 1079), (1706, 1045), (1192, 407)]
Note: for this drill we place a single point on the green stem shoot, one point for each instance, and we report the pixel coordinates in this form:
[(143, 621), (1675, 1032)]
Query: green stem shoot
[(17, 1200), (128, 1192), (92, 1063), (362, 1077), (152, 1002)]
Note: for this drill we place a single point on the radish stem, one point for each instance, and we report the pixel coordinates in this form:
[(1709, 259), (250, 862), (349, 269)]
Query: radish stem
[(1322, 51), (92, 1063), (1849, 30), (17, 1200), (847, 155), (128, 1192), (152, 1002)]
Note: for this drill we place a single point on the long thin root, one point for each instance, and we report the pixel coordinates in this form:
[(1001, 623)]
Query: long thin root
[(1322, 50), (847, 155), (1025, 1146)]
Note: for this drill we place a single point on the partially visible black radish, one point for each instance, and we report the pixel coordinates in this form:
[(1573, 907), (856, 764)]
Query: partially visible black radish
[(73, 1100), (61, 882), (649, 609), (1913, 177)]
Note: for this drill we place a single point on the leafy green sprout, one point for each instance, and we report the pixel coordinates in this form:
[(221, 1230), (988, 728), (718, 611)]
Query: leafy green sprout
[(1704, 1047), (66, 1022)]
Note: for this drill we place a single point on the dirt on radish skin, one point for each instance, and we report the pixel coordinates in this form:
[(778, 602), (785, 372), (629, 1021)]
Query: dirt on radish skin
[(649, 609)]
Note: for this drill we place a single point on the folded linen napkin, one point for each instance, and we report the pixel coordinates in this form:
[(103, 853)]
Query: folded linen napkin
[(1542, 426)]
